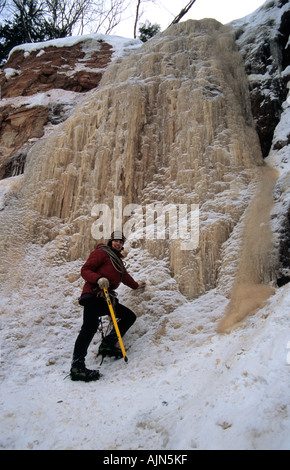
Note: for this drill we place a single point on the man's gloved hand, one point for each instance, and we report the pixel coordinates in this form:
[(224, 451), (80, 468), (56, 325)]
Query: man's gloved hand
[(141, 284), (103, 283)]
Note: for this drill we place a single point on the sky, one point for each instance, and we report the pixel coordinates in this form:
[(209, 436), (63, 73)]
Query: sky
[(164, 11)]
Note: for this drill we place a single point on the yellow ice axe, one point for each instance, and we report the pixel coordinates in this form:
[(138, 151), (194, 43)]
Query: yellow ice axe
[(107, 295)]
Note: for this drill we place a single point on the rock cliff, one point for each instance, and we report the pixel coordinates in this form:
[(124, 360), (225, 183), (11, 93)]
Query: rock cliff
[(263, 39), (41, 84), (170, 124)]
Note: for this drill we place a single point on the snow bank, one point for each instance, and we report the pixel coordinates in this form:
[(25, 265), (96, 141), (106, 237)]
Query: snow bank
[(119, 44), (184, 387), (279, 156)]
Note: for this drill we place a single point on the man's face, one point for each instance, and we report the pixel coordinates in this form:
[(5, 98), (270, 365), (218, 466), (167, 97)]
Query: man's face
[(117, 245)]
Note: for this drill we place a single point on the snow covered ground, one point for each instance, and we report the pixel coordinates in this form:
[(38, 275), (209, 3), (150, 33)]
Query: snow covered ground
[(184, 386)]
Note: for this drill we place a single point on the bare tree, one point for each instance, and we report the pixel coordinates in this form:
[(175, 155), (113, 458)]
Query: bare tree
[(64, 15), (138, 14), (2, 5), (109, 15), (182, 12), (41, 20), (101, 16)]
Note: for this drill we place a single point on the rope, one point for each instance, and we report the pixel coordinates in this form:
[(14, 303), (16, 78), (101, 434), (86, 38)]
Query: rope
[(115, 260)]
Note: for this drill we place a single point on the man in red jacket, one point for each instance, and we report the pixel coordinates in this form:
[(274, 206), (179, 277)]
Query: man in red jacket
[(103, 269)]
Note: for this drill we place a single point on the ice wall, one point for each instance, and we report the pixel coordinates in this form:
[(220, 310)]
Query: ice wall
[(257, 259), (172, 124)]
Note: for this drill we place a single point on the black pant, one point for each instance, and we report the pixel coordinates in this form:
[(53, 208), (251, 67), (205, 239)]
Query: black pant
[(95, 307)]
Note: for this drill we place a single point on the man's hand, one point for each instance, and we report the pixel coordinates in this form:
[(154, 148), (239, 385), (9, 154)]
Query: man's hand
[(103, 283)]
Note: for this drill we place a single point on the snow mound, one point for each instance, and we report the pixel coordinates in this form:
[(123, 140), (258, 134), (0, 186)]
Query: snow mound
[(184, 386)]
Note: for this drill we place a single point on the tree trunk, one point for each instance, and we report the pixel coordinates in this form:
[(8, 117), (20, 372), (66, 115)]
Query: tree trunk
[(182, 13)]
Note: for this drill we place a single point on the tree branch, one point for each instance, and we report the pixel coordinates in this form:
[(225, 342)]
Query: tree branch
[(182, 13)]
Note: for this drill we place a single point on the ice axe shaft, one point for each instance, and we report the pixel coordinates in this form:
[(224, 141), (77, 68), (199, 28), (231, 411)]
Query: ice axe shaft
[(107, 295)]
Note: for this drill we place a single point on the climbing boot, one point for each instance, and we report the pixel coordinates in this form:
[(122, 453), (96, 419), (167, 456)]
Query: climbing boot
[(83, 374), (110, 351)]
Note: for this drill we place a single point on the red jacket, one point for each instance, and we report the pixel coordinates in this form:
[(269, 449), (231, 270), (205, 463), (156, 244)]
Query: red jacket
[(99, 265)]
